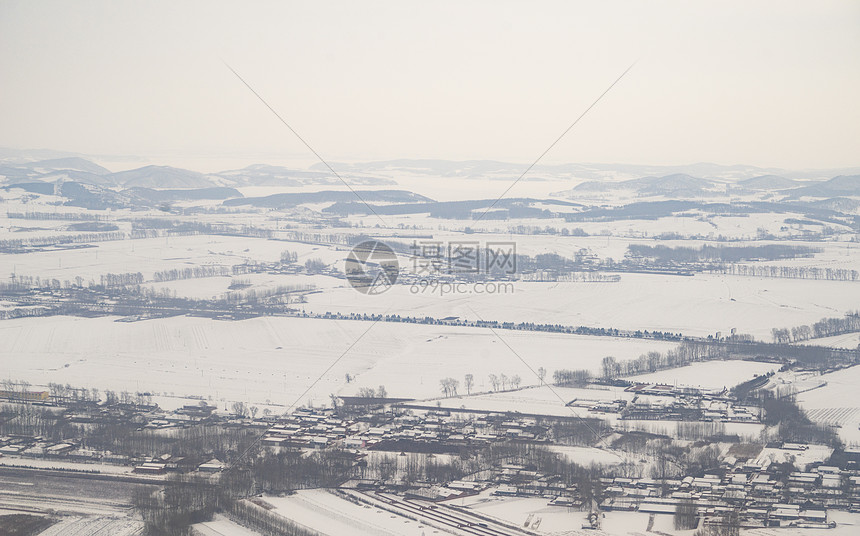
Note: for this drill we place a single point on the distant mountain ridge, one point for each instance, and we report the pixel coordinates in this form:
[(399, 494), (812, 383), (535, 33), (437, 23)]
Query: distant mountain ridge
[(767, 182), (266, 175), (160, 177), (84, 177), (688, 181), (152, 176), (289, 200), (677, 184), (196, 194), (74, 163), (840, 185)]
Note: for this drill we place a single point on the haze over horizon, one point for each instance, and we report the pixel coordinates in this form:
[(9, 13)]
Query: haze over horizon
[(769, 85), (219, 163)]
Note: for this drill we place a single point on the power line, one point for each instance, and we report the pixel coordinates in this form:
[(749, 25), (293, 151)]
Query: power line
[(553, 144), (301, 139)]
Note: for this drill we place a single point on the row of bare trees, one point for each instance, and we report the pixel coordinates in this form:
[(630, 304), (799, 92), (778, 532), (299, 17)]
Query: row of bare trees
[(257, 295), (719, 253), (172, 509), (22, 283), (52, 216), (195, 272), (121, 280), (790, 272), (503, 382), (450, 386), (50, 240), (826, 327), (370, 392), (684, 354)]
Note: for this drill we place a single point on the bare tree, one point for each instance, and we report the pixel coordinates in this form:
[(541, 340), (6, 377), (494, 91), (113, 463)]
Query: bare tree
[(449, 386), (609, 367), (469, 382), (781, 336), (240, 409), (446, 387), (314, 266)]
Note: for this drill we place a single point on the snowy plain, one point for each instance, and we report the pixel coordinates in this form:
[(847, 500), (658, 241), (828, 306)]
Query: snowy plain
[(278, 358)]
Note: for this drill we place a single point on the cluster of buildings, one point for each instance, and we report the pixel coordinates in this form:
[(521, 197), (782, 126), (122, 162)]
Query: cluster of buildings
[(143, 416), (40, 448), (429, 432), (760, 493), (170, 463), (33, 447), (432, 432), (655, 401)]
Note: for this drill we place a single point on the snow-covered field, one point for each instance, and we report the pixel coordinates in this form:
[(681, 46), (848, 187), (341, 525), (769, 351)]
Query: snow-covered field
[(221, 526), (836, 403), (148, 255), (217, 287), (277, 358), (534, 400), (700, 305), (748, 431), (63, 465), (590, 455), (516, 510), (801, 458), (561, 521), (846, 340), (708, 226), (709, 374)]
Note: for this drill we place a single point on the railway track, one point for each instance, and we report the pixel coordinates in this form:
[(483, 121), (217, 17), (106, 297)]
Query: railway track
[(73, 505), (447, 516)]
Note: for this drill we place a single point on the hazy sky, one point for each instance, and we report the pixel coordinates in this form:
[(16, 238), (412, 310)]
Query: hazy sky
[(764, 83)]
